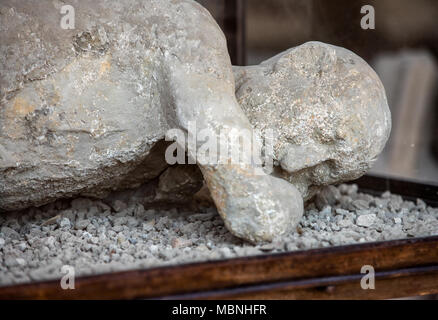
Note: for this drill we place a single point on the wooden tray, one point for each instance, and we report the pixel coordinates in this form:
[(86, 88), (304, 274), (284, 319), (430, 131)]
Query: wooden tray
[(403, 268)]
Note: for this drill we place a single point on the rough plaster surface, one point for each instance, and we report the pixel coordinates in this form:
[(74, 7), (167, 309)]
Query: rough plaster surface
[(328, 110), (82, 110)]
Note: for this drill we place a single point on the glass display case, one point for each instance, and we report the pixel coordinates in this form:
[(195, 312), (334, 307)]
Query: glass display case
[(386, 219)]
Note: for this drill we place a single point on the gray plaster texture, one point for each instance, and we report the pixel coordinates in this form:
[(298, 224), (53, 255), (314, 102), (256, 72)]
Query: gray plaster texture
[(328, 109), (84, 112)]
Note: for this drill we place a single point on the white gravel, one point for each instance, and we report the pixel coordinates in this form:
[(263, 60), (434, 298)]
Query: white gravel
[(94, 238)]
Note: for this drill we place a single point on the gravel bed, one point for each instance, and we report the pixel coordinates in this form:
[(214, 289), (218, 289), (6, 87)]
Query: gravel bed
[(94, 237)]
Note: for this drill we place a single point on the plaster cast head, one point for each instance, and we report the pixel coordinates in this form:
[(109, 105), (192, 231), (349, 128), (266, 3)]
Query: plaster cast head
[(327, 108)]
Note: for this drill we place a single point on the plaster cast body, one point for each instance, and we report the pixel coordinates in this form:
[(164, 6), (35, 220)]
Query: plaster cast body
[(83, 111)]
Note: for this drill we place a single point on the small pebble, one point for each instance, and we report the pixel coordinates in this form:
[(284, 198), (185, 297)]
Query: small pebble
[(366, 220), (360, 204), (180, 243), (118, 228), (65, 223), (9, 233), (327, 210), (21, 261), (148, 226), (120, 221), (82, 224)]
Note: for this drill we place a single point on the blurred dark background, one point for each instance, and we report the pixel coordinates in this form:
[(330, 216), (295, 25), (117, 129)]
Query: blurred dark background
[(403, 49)]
